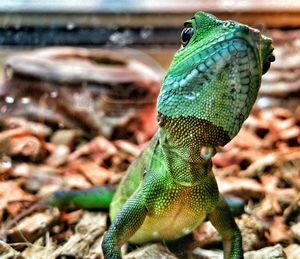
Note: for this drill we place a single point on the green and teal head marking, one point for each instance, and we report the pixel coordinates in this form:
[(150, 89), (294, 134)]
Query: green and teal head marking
[(213, 80)]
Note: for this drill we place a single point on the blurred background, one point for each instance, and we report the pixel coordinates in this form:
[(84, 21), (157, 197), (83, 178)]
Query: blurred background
[(78, 88), (151, 25)]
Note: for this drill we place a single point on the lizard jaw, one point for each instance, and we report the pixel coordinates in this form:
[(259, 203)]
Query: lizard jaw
[(238, 59), (233, 55)]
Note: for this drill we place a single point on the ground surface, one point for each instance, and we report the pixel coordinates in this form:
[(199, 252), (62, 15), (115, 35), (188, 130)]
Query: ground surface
[(261, 166)]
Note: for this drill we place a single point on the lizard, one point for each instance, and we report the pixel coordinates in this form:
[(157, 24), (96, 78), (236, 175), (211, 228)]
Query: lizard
[(206, 95)]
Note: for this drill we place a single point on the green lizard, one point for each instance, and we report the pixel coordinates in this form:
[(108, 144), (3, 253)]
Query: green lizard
[(206, 95)]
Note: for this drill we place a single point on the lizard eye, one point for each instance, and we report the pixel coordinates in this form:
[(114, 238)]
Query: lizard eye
[(186, 35)]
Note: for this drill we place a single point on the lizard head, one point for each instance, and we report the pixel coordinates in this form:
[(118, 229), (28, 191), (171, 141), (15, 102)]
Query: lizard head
[(213, 80)]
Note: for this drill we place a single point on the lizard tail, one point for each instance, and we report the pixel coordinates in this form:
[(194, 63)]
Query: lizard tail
[(93, 198)]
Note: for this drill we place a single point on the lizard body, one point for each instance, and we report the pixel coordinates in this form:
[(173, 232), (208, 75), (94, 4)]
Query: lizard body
[(208, 92), (206, 95)]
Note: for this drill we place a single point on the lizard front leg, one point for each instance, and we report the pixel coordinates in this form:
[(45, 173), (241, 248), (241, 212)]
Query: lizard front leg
[(126, 223), (223, 221)]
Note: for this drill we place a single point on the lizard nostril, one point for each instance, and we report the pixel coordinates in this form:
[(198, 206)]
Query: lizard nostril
[(271, 58)]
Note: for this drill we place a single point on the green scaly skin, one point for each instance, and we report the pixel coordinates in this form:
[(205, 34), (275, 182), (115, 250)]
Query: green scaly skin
[(206, 95)]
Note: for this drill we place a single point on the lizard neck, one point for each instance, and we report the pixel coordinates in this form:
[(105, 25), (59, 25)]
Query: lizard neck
[(188, 164)]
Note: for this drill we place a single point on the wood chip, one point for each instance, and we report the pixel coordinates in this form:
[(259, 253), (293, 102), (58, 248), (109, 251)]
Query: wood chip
[(87, 231), (35, 128), (72, 217), (151, 251), (292, 251), (247, 139), (32, 227), (66, 137), (128, 147), (99, 146), (252, 232), (208, 254), (41, 248), (76, 181), (278, 231), (96, 174), (204, 233), (10, 191), (258, 166), (241, 187), (28, 146), (59, 156), (295, 229), (7, 252), (95, 251), (266, 253)]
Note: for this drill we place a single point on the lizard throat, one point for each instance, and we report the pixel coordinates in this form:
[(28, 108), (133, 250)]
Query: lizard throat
[(190, 131), (188, 145), (188, 149)]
